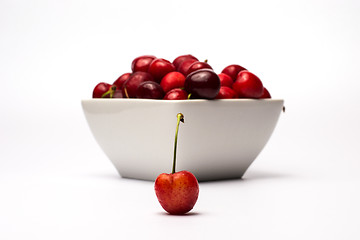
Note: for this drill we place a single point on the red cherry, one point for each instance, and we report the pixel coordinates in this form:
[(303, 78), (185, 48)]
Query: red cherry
[(184, 66), (142, 63), (203, 83), (150, 89), (233, 70), (176, 94), (100, 89), (177, 62), (120, 81), (226, 93), (177, 192), (248, 85), (172, 80), (159, 67), (225, 80), (265, 94), (197, 66), (131, 85)]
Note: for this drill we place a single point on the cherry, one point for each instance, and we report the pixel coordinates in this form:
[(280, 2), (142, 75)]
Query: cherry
[(233, 70), (225, 80), (176, 94), (265, 94), (131, 85), (203, 83), (142, 63), (120, 81), (177, 62), (197, 66), (226, 93), (159, 67), (184, 66), (248, 85), (177, 192), (172, 80), (100, 89), (150, 89)]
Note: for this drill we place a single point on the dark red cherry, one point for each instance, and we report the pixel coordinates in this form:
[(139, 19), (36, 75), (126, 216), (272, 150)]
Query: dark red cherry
[(172, 80), (225, 80), (197, 66), (248, 85), (100, 89), (233, 70), (142, 63), (150, 89), (120, 81), (203, 83), (177, 61), (265, 94), (159, 67), (176, 94), (184, 66), (131, 85), (226, 93)]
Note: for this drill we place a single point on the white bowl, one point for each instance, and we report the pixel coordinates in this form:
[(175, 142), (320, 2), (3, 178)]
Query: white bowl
[(219, 139)]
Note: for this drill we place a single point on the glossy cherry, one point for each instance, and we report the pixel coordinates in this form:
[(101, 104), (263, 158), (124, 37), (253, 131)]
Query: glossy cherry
[(248, 85), (265, 94), (172, 80), (233, 70), (159, 67), (177, 61), (176, 94), (131, 85), (226, 93), (120, 81), (142, 63), (197, 66), (225, 80), (100, 89), (203, 83), (150, 89), (118, 94)]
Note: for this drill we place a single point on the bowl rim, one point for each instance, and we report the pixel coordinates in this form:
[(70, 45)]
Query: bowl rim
[(177, 101)]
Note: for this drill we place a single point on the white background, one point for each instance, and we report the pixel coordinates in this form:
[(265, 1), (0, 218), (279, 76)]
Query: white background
[(56, 183)]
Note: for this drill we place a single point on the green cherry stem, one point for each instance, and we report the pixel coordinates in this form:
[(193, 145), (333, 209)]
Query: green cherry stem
[(180, 117)]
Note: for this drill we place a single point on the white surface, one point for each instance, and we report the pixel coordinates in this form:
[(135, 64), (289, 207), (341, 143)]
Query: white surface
[(218, 139), (55, 183)]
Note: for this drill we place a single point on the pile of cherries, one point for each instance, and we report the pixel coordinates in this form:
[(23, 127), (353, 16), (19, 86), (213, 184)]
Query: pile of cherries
[(184, 78)]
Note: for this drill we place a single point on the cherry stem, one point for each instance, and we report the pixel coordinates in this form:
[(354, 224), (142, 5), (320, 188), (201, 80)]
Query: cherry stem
[(180, 117)]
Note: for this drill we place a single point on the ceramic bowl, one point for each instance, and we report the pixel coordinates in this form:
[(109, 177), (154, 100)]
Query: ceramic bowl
[(218, 140)]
